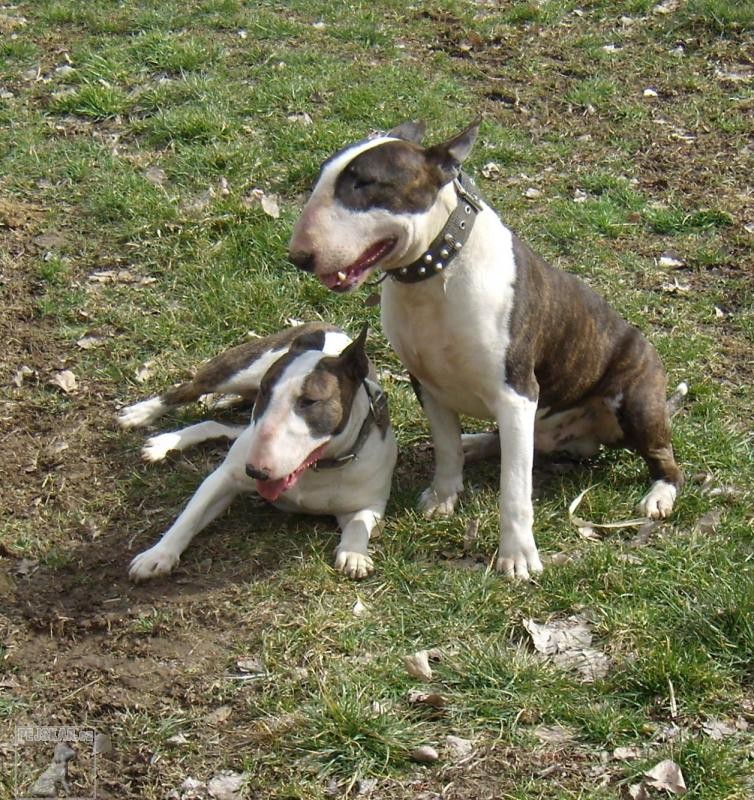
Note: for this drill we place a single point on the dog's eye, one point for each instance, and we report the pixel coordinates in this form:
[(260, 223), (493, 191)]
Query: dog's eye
[(363, 183), (307, 402)]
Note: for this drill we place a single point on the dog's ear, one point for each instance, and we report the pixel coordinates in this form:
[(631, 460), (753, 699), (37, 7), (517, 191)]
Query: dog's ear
[(354, 357), (410, 131), (448, 156), (314, 340)]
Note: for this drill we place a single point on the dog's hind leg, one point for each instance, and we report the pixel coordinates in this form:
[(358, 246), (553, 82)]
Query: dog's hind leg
[(646, 424), (480, 446), (211, 499), (147, 411), (440, 498), (157, 447)]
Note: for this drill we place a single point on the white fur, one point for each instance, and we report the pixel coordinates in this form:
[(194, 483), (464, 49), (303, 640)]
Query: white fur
[(141, 414), (356, 493), (157, 447), (657, 503)]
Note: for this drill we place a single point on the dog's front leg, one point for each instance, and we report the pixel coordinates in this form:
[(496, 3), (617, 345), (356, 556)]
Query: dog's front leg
[(211, 499), (352, 553), (517, 554), (439, 499)]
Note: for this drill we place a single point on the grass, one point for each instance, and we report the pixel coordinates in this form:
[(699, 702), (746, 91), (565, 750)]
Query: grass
[(219, 97)]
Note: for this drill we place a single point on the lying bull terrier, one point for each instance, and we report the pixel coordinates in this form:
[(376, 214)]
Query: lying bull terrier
[(319, 441), (484, 326)]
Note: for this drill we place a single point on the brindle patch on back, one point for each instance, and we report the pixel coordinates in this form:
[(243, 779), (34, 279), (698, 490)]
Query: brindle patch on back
[(220, 369), (395, 176)]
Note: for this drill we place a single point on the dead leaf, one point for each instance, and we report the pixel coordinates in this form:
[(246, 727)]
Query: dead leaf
[(644, 534), (269, 203), (434, 699), (587, 528), (718, 729), (88, 342), (366, 786), (675, 287), (459, 747), (358, 608), (251, 664), (568, 643), (301, 117), (218, 716), (226, 785), (178, 739), (21, 375), (708, 523), (103, 745), (638, 791), (557, 735), (425, 754), (670, 261), (491, 170), (25, 567), (65, 380), (145, 371), (156, 175), (627, 753), (417, 666), (121, 276), (666, 775), (532, 193)]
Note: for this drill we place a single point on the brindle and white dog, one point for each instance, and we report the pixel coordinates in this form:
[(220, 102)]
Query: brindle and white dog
[(319, 441), (484, 326)]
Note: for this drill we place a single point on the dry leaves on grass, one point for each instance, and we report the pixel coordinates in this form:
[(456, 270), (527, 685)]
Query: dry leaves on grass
[(568, 643), (588, 529), (269, 202), (64, 380), (122, 276), (417, 666)]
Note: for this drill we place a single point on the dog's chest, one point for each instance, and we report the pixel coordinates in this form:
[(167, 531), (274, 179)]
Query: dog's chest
[(451, 334)]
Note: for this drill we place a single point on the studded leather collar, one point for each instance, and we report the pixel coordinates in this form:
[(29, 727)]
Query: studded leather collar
[(451, 239), (378, 414)]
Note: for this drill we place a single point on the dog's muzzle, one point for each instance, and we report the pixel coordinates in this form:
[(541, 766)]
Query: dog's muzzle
[(257, 474), (304, 261)]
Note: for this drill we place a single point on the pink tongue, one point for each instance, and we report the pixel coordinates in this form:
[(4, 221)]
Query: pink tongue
[(271, 490)]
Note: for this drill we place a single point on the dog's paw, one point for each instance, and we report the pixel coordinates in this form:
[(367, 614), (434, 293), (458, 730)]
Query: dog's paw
[(433, 503), (152, 563), (657, 503), (140, 414), (157, 447), (519, 563), (354, 565)]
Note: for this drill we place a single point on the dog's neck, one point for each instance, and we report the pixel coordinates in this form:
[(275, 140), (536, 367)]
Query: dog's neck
[(458, 208)]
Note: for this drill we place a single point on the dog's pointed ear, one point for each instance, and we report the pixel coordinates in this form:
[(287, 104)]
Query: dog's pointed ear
[(313, 340), (410, 131), (448, 156), (354, 357)]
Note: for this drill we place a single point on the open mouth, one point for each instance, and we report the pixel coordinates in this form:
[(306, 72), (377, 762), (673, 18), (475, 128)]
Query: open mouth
[(272, 489), (351, 276)]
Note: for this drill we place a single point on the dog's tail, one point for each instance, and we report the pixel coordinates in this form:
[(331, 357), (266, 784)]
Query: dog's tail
[(675, 401)]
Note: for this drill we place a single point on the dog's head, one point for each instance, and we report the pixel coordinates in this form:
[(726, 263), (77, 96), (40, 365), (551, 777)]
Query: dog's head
[(304, 402), (378, 203)]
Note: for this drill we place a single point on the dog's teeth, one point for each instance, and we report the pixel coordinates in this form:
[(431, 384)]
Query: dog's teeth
[(341, 276)]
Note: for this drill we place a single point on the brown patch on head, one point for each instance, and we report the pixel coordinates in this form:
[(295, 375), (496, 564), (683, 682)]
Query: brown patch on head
[(327, 393), (395, 176)]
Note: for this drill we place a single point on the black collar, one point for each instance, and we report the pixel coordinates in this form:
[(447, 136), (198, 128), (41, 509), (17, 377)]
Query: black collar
[(451, 239), (376, 415)]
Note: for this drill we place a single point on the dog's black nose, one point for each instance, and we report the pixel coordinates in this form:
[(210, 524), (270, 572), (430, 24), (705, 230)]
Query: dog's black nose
[(304, 261), (257, 474)]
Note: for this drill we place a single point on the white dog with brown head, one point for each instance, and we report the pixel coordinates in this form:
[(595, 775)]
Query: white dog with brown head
[(319, 440)]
